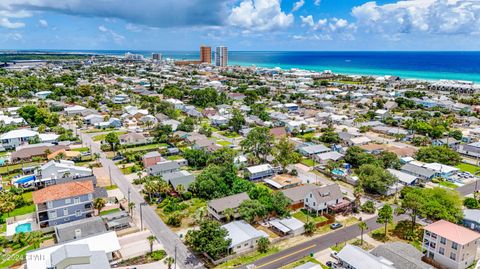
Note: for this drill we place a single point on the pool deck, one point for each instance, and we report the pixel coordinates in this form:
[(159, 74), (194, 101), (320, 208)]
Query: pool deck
[(11, 227)]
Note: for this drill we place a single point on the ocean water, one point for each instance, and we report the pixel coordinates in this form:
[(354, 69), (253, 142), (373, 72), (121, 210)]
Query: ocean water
[(416, 65)]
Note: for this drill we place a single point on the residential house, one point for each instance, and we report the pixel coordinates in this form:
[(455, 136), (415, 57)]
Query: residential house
[(92, 119), (418, 171), (451, 245), (79, 229), (471, 219), (162, 168), (297, 195), (15, 138), (91, 252), (259, 172), (324, 158), (216, 207), (353, 257), (310, 150), (283, 181), (218, 120), (182, 177), (404, 178), (244, 237), (74, 110), (133, 139), (43, 150), (151, 158), (62, 203), (319, 199), (110, 123), (287, 226), (401, 255), (63, 169)]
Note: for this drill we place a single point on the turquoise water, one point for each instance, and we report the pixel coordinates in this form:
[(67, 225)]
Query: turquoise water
[(426, 65), (23, 228), (338, 172)]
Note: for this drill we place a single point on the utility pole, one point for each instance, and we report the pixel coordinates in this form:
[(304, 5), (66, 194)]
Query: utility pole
[(175, 257), (110, 175), (141, 215), (128, 195)]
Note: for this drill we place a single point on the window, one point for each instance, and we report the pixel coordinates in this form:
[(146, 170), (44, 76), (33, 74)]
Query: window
[(68, 201), (441, 251), (90, 196), (65, 211), (434, 235), (306, 200), (76, 200), (49, 204), (454, 245), (53, 214), (427, 233), (78, 213), (238, 246), (246, 244), (443, 240), (453, 256), (313, 203)]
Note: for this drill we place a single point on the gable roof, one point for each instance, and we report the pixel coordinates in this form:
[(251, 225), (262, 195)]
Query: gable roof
[(62, 191), (240, 231), (327, 193), (298, 193), (232, 201), (402, 255)]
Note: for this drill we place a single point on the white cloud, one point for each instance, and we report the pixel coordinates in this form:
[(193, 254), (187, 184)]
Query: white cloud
[(322, 37), (260, 15), (155, 13), (43, 23), (117, 38), (133, 28), (6, 23), (421, 16), (317, 2), (297, 5), (308, 20), (15, 36)]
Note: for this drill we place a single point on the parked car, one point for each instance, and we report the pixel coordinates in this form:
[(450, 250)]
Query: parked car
[(335, 226), (329, 264), (117, 158)]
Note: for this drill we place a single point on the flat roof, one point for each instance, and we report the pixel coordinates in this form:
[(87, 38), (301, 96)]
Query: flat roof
[(452, 232)]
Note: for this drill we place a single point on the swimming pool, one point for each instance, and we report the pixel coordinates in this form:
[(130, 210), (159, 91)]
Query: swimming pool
[(338, 172), (23, 228)]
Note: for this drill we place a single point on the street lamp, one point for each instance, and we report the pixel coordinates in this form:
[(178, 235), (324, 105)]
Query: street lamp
[(141, 215)]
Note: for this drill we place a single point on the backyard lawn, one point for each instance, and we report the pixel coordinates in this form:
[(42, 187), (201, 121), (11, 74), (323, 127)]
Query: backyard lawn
[(230, 134), (148, 147), (83, 149), (466, 167), (174, 157), (223, 143), (106, 212), (9, 168), (305, 216), (99, 130), (101, 137), (18, 211), (247, 258), (448, 184), (308, 162)]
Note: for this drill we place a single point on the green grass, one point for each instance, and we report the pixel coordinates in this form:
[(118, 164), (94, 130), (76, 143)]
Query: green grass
[(247, 258), (83, 149), (229, 134), (101, 137), (19, 211), (447, 184), (223, 143), (308, 162), (148, 147), (92, 131), (174, 157), (306, 136), (14, 257), (112, 187), (300, 262), (106, 212), (9, 168), (466, 167), (305, 216)]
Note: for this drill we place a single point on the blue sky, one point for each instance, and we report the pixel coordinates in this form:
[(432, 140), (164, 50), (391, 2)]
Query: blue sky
[(240, 24)]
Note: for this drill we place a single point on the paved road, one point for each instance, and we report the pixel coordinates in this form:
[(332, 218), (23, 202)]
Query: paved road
[(469, 188), (299, 251), (185, 258)]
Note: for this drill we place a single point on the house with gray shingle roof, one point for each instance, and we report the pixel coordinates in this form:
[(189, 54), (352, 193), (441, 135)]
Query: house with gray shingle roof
[(319, 199), (216, 207)]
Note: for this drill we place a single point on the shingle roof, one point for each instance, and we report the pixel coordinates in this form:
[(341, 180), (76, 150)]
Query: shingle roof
[(298, 193), (327, 193), (232, 201), (62, 191), (403, 255)]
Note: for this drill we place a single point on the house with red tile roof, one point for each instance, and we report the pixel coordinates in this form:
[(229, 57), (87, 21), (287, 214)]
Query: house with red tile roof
[(451, 245), (65, 202)]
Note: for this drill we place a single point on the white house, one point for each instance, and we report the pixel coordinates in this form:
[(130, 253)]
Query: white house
[(74, 110), (15, 138), (92, 119), (320, 198), (259, 171), (243, 235), (63, 168)]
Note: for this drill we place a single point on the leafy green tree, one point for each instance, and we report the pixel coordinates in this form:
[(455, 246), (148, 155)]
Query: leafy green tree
[(389, 160), (229, 214), (329, 136), (188, 125), (356, 156), (440, 154), (112, 139), (215, 181), (385, 216), (375, 179), (412, 203), (457, 134), (98, 204), (285, 154), (237, 121), (210, 238), (197, 158), (250, 210), (162, 133), (310, 228), (263, 245), (471, 203), (368, 207), (258, 142)]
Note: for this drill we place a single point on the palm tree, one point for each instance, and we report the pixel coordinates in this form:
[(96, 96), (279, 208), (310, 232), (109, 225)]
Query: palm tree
[(96, 157), (358, 193), (200, 215), (131, 206), (303, 127), (229, 214), (98, 204), (180, 189), (169, 261), (363, 226), (35, 238), (151, 239)]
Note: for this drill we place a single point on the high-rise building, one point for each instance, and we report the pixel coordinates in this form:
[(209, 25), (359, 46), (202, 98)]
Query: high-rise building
[(221, 56), (156, 56), (206, 54)]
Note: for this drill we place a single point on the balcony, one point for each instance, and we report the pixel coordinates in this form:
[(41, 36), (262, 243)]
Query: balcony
[(42, 207)]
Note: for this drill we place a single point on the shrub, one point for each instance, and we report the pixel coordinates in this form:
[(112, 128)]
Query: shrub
[(471, 203), (158, 255), (368, 207), (174, 220)]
